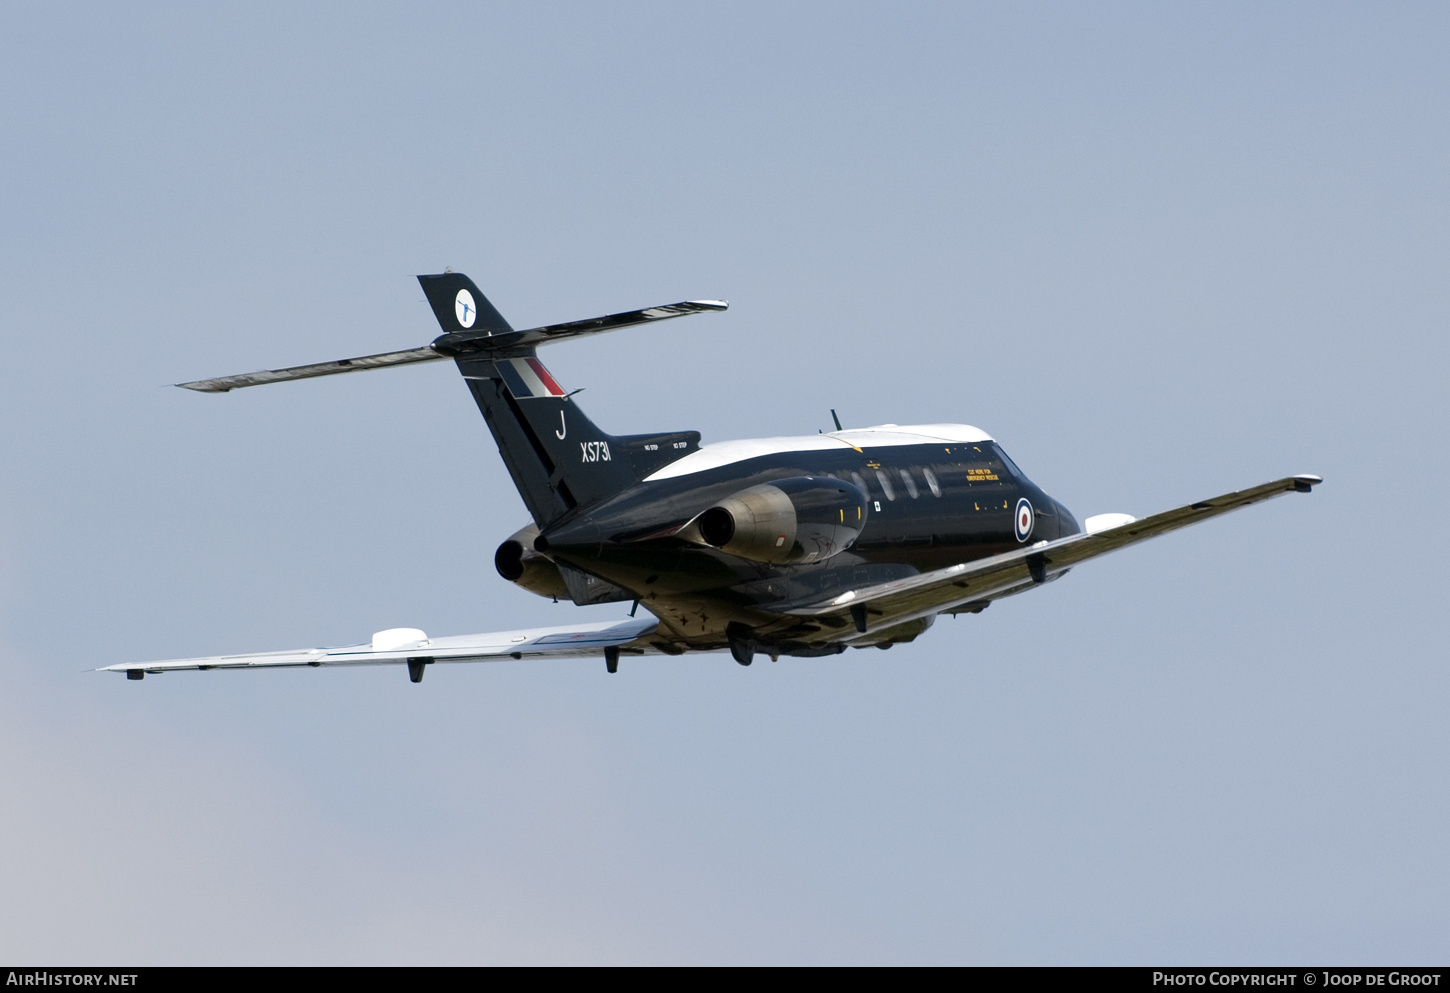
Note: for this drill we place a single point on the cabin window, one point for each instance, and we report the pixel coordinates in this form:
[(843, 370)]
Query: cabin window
[(885, 482), (910, 483), (856, 478), (931, 482)]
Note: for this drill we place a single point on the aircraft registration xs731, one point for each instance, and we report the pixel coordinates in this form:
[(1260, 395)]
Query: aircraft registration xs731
[(782, 546)]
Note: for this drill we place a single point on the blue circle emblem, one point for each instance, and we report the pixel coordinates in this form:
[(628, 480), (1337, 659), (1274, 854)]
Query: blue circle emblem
[(464, 309), (1024, 519)]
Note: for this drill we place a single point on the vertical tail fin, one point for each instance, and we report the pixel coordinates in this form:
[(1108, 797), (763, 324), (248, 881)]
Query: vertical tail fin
[(559, 459), (461, 306)]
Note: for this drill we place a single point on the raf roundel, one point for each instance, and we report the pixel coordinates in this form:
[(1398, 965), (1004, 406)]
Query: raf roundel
[(464, 308), (1024, 519)]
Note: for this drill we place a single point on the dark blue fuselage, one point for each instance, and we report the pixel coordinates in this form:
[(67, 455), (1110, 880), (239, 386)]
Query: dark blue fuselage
[(929, 506)]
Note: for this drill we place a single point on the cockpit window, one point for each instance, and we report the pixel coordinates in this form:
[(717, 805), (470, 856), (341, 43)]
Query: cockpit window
[(982, 465), (1011, 466)]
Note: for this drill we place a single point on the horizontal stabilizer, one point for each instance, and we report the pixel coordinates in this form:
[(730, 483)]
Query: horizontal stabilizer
[(224, 383), (460, 343)]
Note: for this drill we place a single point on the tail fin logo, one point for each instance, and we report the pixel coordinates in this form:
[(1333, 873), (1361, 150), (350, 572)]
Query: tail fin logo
[(464, 308)]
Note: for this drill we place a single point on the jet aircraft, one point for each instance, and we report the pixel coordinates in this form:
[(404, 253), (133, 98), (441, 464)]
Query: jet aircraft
[(799, 546)]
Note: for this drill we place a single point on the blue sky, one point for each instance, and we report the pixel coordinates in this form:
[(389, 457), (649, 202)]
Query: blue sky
[(1160, 252)]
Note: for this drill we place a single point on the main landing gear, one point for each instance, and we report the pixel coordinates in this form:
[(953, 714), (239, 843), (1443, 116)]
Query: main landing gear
[(742, 642)]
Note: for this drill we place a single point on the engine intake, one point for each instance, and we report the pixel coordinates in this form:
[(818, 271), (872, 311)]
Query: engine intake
[(800, 519)]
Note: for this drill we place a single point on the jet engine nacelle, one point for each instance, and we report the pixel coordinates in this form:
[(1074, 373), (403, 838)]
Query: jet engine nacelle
[(800, 519), (517, 562)]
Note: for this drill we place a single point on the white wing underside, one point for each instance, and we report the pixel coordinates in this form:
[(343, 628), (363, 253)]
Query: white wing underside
[(569, 641)]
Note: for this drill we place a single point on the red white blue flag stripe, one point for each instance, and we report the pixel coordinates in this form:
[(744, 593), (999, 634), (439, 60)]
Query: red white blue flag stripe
[(527, 378)]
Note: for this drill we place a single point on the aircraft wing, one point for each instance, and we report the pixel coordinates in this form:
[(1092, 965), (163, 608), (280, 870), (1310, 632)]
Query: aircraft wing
[(416, 648), (982, 580)]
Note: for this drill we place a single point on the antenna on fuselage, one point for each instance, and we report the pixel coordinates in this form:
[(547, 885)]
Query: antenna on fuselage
[(835, 418)]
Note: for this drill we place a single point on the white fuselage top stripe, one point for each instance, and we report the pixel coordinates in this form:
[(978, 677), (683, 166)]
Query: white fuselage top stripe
[(724, 453)]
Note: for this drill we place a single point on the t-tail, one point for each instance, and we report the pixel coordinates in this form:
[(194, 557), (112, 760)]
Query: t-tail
[(559, 459)]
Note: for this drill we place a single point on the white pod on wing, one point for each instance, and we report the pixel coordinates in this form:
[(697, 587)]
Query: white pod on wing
[(1102, 522)]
